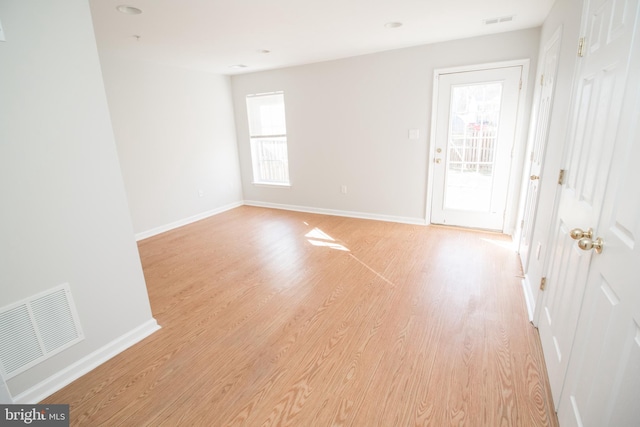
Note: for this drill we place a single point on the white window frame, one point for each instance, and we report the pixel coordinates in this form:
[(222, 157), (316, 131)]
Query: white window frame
[(269, 151)]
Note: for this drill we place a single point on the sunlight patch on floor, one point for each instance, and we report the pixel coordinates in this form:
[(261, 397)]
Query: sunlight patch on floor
[(505, 244), (318, 237)]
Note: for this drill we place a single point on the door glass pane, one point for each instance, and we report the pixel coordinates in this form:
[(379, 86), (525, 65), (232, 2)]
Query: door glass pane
[(471, 146)]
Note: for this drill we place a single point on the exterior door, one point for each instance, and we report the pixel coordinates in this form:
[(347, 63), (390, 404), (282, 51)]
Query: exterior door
[(602, 386), (541, 133), (474, 134), (597, 106)]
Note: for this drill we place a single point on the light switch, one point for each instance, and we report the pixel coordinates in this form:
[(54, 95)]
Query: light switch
[(414, 133), (2, 39)]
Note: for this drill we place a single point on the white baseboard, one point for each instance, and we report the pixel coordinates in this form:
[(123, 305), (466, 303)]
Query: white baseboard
[(528, 297), (163, 228), (59, 380), (334, 212)]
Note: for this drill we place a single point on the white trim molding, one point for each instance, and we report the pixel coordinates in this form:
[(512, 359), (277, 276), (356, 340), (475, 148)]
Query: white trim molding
[(335, 212), (528, 297), (177, 224), (66, 376)]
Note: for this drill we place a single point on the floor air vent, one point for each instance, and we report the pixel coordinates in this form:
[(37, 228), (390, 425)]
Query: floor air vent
[(36, 328)]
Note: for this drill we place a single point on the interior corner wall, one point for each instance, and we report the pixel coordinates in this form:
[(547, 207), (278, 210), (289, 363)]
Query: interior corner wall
[(176, 140), (348, 122), (64, 216), (565, 14)]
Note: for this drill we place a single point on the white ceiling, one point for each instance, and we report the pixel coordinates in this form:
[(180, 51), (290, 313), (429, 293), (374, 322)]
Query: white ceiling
[(214, 35)]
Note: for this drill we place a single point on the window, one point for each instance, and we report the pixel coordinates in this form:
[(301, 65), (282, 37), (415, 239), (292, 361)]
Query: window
[(268, 134)]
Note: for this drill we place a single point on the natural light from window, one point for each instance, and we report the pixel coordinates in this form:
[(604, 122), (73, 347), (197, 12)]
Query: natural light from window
[(268, 138), (506, 244), (319, 238)]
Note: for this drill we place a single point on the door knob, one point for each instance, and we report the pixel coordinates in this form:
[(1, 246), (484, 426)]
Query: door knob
[(577, 234), (534, 177), (586, 244), (437, 160)]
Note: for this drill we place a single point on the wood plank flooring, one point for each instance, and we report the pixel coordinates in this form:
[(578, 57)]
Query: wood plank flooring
[(277, 318)]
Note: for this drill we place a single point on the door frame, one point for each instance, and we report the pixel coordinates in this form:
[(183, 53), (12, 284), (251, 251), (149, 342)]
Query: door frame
[(533, 134), (517, 150), (531, 274)]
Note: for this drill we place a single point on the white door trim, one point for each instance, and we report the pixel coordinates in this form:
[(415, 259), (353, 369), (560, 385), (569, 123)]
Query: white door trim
[(519, 146), (533, 135)]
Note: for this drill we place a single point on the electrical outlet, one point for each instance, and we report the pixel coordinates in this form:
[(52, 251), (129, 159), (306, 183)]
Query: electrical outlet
[(201, 193), (343, 189)]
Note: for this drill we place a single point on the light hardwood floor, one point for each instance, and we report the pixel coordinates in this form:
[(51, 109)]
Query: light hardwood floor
[(276, 318)]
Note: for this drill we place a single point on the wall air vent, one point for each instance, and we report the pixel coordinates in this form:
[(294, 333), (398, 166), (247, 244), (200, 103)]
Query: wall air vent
[(498, 20), (36, 328)]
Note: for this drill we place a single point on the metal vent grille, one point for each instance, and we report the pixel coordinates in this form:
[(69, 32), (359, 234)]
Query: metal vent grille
[(54, 319), (35, 329), (498, 20), (20, 344)]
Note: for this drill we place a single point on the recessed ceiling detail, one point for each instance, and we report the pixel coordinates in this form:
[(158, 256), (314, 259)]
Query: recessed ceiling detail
[(128, 10), (212, 35)]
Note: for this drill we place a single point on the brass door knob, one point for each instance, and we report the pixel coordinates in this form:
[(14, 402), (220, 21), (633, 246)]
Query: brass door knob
[(437, 160), (586, 244), (577, 234)]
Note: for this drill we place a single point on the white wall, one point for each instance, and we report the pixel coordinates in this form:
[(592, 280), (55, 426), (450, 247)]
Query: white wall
[(565, 14), (348, 122), (5, 397), (64, 215), (175, 135)]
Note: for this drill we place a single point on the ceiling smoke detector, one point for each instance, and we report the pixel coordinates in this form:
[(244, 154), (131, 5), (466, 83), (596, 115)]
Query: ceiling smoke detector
[(393, 25), (128, 10)]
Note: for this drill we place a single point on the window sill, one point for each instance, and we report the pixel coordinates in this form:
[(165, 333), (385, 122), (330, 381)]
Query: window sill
[(271, 185)]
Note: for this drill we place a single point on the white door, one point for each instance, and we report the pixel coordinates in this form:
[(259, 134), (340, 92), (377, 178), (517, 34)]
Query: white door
[(540, 136), (602, 386), (474, 134), (597, 106)]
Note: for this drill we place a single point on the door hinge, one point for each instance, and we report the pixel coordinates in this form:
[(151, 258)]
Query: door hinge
[(541, 79), (522, 224), (561, 176), (581, 46), (543, 283), (520, 85)]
